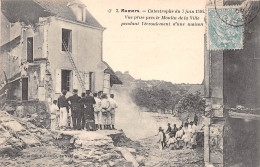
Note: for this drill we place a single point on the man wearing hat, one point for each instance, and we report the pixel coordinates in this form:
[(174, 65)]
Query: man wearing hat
[(81, 114), (97, 112), (63, 106), (75, 109), (88, 102)]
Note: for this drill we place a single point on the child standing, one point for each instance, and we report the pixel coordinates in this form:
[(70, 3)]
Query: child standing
[(54, 113)]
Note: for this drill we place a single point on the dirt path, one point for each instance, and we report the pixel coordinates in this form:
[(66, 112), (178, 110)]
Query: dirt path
[(174, 158)]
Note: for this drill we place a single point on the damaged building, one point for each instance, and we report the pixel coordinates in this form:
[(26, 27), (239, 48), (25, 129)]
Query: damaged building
[(48, 46), (232, 91)]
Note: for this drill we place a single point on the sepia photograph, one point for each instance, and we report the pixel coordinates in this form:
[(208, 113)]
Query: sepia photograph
[(120, 83)]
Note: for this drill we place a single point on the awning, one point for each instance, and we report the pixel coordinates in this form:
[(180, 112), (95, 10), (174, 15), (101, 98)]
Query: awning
[(10, 45), (113, 78)]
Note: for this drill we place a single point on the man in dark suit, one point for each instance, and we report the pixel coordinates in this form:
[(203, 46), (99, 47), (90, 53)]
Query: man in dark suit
[(75, 109), (88, 103)]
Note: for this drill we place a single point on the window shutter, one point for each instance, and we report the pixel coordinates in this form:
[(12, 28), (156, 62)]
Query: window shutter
[(86, 79), (58, 80), (70, 42), (24, 45), (75, 80), (106, 83), (93, 82)]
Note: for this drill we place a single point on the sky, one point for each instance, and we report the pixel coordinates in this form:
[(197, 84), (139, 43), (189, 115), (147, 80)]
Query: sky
[(169, 53)]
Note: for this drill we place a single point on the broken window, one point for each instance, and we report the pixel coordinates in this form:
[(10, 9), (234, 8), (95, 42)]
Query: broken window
[(24, 88), (66, 79), (66, 40), (30, 49)]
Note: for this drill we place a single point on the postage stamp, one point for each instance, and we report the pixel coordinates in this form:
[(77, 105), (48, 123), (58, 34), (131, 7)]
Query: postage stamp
[(224, 30)]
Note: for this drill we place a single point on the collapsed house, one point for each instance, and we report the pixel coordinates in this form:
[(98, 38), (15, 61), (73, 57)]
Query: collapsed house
[(48, 46), (232, 91)]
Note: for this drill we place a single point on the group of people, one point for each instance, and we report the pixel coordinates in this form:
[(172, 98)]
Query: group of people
[(176, 138), (90, 111)]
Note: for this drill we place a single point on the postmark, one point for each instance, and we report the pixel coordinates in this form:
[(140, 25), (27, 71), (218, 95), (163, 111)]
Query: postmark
[(249, 9), (223, 32)]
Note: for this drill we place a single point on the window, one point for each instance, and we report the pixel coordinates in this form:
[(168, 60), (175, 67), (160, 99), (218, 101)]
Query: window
[(30, 49), (66, 79), (81, 13), (66, 40), (24, 88)]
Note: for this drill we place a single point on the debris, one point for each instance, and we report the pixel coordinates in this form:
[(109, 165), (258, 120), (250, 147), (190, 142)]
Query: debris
[(128, 156), (17, 130), (140, 159), (111, 163)]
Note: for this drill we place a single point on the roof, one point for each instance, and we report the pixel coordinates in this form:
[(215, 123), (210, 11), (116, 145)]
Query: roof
[(113, 78), (31, 10)]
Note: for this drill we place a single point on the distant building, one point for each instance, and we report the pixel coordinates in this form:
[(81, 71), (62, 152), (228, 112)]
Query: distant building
[(48, 46)]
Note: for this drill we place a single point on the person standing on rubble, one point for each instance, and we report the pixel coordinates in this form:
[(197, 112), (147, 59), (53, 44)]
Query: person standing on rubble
[(63, 106), (104, 109), (97, 114), (81, 118), (88, 103), (54, 115), (112, 108), (75, 109)]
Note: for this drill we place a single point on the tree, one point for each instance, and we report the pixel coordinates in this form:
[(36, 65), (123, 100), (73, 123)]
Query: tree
[(153, 99), (191, 103)]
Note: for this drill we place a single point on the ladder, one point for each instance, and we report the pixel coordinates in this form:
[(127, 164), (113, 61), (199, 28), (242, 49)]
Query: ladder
[(81, 82)]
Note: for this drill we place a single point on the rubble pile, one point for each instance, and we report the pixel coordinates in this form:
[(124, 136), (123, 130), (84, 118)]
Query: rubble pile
[(42, 134), (72, 148), (36, 111), (120, 140), (94, 149), (14, 136)]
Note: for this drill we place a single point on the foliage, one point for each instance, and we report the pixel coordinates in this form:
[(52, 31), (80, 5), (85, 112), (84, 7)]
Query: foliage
[(152, 99), (191, 103), (155, 99)]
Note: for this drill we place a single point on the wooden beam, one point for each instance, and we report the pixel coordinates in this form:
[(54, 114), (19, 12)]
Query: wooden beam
[(244, 116)]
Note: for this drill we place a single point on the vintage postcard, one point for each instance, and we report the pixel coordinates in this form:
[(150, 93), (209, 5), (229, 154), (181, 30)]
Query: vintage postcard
[(120, 83)]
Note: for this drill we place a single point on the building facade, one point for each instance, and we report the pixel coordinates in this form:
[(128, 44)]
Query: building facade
[(48, 46), (232, 91)]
